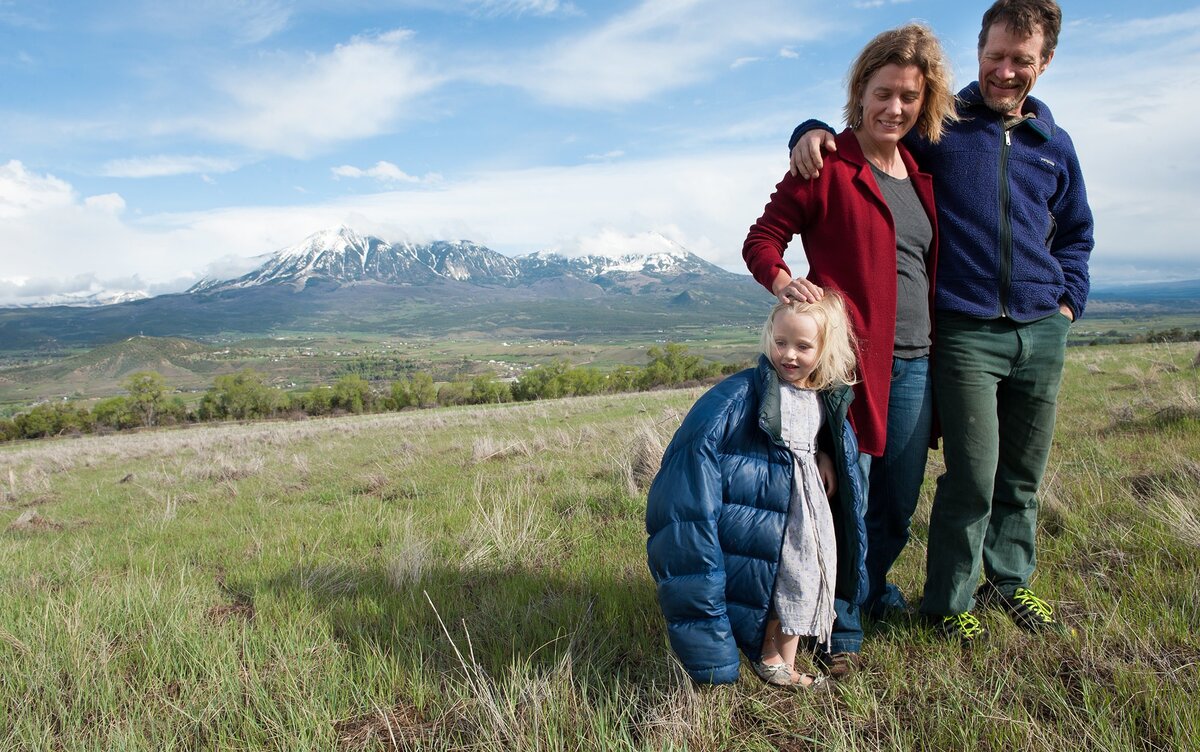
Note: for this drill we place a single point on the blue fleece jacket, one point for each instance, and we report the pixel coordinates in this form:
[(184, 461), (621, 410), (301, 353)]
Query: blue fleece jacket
[(1015, 229), (716, 514)]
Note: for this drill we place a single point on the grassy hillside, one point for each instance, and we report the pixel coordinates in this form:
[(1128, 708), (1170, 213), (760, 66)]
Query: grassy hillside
[(102, 371), (558, 308), (475, 579), (304, 361), (170, 356)]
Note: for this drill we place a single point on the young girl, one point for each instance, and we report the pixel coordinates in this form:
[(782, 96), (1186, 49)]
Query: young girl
[(752, 528)]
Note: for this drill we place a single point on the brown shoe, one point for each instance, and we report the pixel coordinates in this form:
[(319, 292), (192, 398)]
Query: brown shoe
[(841, 666)]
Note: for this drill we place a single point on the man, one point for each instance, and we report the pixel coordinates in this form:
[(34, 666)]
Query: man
[(1015, 234)]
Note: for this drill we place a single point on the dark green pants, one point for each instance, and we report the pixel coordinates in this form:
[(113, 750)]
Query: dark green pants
[(996, 386)]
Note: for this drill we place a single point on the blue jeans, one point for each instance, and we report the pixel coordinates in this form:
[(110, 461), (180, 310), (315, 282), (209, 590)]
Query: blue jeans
[(893, 484), (893, 487), (894, 479)]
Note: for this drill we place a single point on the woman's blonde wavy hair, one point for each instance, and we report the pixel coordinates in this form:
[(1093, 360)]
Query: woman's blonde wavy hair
[(910, 44), (836, 361)]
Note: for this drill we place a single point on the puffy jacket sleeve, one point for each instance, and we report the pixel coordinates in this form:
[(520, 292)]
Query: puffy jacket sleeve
[(684, 552)]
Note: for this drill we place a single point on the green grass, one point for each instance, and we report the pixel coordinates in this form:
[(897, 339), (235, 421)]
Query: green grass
[(475, 579), (313, 360)]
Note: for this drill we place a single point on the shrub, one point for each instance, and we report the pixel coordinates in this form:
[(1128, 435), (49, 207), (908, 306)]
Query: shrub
[(239, 396), (486, 390), (113, 413), (456, 392), (353, 394), (671, 364), (147, 396)]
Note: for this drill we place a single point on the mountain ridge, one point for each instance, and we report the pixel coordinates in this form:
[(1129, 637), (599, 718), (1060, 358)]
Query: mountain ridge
[(340, 281), (344, 256)]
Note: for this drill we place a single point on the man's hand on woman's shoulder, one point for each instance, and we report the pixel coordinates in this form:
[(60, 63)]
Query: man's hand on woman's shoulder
[(806, 159)]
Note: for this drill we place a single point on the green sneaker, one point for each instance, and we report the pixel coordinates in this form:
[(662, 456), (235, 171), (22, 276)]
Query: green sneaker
[(964, 627), (1028, 611)]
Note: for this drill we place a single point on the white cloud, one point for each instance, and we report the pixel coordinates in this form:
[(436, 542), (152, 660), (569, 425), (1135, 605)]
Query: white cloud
[(21, 19), (1139, 30), (788, 53), (655, 47), (166, 165), (741, 61), (522, 7), (384, 172), (22, 192), (43, 289), (613, 242), (608, 155), (247, 21), (1122, 106), (45, 228), (1119, 98), (871, 4), (298, 106), (110, 203), (713, 197)]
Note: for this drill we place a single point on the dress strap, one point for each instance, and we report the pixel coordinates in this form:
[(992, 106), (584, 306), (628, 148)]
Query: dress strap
[(802, 447)]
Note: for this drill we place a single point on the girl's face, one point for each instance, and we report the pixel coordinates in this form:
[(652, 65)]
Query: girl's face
[(796, 344)]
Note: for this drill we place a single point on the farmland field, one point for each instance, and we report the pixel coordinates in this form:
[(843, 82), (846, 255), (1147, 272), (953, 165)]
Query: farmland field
[(475, 579)]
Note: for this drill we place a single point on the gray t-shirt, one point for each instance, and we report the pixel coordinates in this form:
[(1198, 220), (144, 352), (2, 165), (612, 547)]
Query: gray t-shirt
[(914, 235)]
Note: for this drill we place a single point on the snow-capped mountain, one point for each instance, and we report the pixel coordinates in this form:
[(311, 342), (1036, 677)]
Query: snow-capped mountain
[(340, 281), (343, 256), (86, 300)]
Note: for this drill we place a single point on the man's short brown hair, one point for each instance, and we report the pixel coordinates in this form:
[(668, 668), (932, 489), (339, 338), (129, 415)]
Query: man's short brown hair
[(1025, 17)]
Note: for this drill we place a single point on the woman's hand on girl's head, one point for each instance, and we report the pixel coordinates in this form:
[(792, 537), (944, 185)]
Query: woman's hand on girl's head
[(798, 290), (827, 472)]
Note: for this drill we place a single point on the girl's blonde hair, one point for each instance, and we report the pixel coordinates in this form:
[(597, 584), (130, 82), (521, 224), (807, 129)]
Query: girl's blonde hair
[(836, 360), (911, 44)]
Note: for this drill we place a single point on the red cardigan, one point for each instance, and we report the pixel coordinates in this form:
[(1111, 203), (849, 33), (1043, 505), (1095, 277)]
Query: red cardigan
[(850, 241)]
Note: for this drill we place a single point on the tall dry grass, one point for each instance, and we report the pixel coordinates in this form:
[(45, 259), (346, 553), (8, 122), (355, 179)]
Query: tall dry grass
[(474, 579)]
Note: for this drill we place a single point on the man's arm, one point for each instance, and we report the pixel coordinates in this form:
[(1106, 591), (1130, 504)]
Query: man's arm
[(1073, 238), (806, 143)]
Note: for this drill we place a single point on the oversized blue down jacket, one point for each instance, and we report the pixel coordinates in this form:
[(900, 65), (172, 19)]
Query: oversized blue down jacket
[(716, 514)]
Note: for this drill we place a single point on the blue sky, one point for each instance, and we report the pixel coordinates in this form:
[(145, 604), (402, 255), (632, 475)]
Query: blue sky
[(146, 144)]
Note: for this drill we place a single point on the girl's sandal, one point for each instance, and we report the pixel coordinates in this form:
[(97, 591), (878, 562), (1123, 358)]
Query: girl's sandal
[(780, 675), (775, 674), (811, 683)]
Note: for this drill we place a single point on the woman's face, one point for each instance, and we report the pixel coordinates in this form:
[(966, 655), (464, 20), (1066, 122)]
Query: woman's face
[(891, 103)]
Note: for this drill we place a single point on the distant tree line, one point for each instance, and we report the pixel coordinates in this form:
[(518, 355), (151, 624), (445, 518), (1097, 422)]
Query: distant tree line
[(246, 395), (1154, 336)]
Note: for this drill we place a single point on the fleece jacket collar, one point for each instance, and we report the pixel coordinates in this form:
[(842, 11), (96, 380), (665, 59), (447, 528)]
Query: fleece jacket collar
[(1042, 122)]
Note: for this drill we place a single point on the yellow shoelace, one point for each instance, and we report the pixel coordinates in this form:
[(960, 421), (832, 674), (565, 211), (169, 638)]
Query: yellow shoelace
[(968, 625), (1033, 603)]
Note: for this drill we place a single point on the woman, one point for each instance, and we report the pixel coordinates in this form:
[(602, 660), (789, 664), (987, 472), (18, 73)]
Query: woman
[(869, 230)]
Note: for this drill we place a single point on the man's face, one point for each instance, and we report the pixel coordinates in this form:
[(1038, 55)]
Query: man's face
[(1009, 66)]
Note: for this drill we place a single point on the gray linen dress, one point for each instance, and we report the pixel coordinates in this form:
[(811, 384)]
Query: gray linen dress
[(808, 562)]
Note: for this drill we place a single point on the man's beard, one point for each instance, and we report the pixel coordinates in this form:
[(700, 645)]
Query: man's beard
[(1002, 106)]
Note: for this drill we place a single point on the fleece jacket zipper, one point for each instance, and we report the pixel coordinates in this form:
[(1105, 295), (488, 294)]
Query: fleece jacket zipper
[(1005, 225)]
